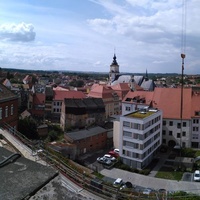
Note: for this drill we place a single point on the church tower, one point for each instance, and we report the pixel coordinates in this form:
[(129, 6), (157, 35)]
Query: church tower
[(114, 70)]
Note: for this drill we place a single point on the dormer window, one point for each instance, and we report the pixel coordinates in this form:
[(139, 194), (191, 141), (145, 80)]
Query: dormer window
[(197, 113)]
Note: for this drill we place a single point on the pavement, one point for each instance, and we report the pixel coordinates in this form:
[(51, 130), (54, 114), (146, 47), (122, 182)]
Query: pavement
[(152, 182)]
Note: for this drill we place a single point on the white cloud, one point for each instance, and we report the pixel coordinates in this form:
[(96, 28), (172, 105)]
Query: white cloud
[(17, 32)]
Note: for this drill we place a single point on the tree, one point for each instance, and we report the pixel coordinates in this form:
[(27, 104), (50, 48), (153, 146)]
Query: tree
[(28, 127)]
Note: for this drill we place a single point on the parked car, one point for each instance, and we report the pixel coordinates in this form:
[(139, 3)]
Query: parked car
[(107, 156), (118, 182), (116, 151), (114, 154), (197, 175), (107, 162), (100, 159), (147, 191), (126, 185)]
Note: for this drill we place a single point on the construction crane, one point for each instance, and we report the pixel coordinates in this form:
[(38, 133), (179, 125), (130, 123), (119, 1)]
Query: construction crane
[(183, 44)]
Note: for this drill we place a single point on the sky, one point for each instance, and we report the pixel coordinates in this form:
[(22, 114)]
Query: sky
[(83, 35)]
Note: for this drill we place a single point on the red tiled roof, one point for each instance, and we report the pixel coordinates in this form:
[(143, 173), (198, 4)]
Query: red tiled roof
[(169, 101), (148, 95), (39, 99), (121, 86), (101, 91), (60, 88), (60, 95)]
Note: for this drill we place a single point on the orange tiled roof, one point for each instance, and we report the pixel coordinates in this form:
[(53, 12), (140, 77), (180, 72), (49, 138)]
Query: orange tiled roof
[(169, 101), (39, 99), (121, 86), (101, 91), (60, 95)]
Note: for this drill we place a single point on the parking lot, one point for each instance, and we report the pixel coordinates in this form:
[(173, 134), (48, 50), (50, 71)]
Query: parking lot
[(90, 160)]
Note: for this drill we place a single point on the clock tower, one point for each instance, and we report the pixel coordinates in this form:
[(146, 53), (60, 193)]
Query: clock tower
[(114, 70)]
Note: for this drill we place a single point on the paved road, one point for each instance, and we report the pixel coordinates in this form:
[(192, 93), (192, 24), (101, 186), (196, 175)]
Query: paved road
[(151, 182)]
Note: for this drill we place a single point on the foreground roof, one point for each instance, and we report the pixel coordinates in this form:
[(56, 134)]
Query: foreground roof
[(23, 177)]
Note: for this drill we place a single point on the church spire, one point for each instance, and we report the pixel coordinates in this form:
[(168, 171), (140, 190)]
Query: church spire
[(114, 60), (146, 76)]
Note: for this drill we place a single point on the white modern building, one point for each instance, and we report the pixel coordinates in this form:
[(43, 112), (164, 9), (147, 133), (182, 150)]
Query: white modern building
[(140, 137)]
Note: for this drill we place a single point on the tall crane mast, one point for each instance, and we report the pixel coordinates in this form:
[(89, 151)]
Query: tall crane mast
[(183, 44)]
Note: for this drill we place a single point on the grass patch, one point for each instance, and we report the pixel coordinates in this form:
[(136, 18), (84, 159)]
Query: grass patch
[(169, 173)]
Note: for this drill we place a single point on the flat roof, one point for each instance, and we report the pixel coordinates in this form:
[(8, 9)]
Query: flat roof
[(141, 114), (85, 133), (22, 177)]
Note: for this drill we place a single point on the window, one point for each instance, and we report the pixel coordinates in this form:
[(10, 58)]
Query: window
[(195, 128), (128, 108), (126, 124), (178, 125), (6, 111), (183, 144), (178, 135), (11, 109), (0, 113), (164, 141), (184, 124), (164, 123), (127, 134), (197, 113), (164, 132), (184, 134), (171, 123), (195, 121), (170, 132)]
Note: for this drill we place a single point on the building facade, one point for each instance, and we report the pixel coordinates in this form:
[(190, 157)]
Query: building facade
[(109, 96), (87, 140), (8, 108), (80, 113), (140, 137)]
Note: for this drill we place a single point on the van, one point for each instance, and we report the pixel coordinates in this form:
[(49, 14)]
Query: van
[(118, 182)]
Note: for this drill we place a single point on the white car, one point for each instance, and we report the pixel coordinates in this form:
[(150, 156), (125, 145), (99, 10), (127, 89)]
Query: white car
[(118, 182), (101, 159), (197, 175), (109, 157), (116, 151), (147, 191)]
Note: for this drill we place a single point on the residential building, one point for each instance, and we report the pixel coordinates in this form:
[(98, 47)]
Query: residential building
[(36, 105), (121, 89), (140, 137), (8, 107), (176, 130), (49, 94), (58, 97), (109, 97), (87, 140), (80, 113)]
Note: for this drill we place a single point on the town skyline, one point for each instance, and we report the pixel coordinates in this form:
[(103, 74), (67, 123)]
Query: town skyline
[(83, 36)]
